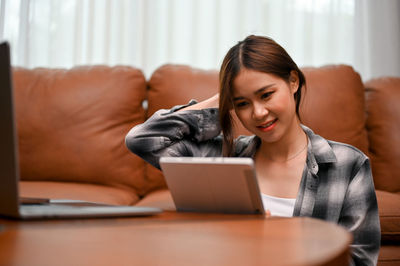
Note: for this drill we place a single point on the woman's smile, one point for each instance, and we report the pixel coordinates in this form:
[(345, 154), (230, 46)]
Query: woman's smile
[(268, 126)]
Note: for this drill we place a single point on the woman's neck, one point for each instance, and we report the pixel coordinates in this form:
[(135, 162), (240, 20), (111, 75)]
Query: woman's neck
[(289, 147)]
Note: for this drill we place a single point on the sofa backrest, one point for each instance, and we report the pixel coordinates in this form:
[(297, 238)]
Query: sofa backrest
[(333, 104), (383, 124), (72, 124)]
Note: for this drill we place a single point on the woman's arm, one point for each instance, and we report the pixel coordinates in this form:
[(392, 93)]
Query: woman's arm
[(360, 216), (189, 130)]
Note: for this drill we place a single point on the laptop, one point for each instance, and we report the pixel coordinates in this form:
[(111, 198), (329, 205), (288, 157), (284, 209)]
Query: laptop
[(213, 184), (11, 204)]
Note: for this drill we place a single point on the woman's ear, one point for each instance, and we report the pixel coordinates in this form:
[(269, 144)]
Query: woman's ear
[(294, 81)]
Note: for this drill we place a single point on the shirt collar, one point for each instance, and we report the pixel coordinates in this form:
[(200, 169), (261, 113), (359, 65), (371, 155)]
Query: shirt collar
[(319, 151)]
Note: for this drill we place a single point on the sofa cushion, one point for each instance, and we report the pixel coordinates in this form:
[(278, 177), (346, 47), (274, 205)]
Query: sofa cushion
[(78, 191), (333, 105), (161, 198), (389, 255), (389, 213), (171, 85), (72, 124), (383, 124)]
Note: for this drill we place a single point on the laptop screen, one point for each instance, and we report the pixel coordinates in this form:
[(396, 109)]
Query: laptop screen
[(8, 141)]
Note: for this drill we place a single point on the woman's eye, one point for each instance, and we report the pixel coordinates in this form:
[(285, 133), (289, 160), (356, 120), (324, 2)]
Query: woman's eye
[(266, 95), (241, 104)]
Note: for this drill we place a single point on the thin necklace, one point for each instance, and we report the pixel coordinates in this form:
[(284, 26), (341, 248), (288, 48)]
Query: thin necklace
[(298, 153), (295, 155)]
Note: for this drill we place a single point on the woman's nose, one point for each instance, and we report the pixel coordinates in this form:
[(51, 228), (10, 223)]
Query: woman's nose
[(259, 111)]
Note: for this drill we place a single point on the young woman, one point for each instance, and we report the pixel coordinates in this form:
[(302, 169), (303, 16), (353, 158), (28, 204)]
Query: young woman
[(299, 172)]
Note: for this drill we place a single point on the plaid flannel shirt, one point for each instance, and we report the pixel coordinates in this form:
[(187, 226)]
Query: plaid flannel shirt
[(336, 184)]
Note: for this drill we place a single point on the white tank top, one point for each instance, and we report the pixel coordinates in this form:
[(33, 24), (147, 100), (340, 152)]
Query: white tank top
[(278, 206)]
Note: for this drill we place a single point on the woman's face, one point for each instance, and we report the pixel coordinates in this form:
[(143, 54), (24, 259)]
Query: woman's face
[(265, 103)]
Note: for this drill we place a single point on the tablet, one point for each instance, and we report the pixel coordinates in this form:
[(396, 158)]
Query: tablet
[(213, 184)]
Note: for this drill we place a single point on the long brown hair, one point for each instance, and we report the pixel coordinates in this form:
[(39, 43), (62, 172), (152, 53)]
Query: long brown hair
[(255, 53)]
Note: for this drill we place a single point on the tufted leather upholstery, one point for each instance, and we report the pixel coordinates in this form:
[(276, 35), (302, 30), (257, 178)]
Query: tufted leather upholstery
[(71, 125)]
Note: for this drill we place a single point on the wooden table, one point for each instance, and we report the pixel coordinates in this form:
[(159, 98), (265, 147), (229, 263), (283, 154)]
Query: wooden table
[(174, 238)]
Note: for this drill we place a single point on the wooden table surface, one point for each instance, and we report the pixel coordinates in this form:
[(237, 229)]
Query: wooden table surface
[(174, 238)]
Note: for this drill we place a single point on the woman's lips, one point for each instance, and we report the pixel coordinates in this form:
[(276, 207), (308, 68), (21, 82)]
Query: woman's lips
[(268, 125)]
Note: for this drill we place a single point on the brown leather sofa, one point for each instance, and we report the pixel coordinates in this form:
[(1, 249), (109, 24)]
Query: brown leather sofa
[(72, 125)]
